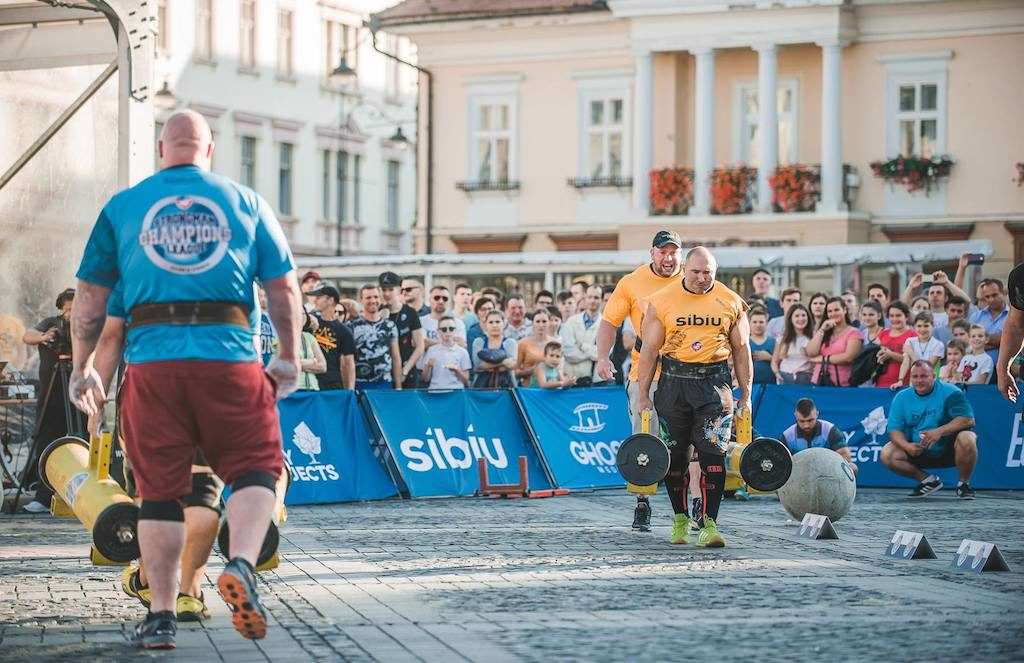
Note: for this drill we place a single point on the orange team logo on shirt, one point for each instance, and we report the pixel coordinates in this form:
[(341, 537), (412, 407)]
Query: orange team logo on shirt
[(325, 338)]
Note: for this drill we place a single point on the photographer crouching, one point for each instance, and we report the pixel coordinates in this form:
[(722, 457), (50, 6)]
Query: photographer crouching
[(54, 415)]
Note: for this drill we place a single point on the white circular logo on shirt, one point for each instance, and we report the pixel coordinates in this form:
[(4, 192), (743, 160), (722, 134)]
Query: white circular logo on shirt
[(185, 234)]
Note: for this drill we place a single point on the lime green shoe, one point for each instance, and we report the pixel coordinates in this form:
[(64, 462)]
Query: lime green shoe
[(191, 609), (131, 584), (680, 529), (708, 537)]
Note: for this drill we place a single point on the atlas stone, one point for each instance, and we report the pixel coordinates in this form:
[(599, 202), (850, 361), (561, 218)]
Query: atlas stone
[(822, 483)]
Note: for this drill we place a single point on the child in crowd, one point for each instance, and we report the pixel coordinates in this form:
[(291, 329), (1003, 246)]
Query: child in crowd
[(762, 346), (961, 330), (548, 374), (446, 364), (955, 351), (923, 346), (976, 366)]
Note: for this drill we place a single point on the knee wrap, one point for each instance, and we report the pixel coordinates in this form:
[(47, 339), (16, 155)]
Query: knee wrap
[(713, 467), (165, 510), (206, 490), (255, 478)]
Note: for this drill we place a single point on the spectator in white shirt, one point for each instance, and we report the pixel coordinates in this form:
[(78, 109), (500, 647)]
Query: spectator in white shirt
[(924, 346), (446, 365), (579, 336), (976, 367), (517, 325)]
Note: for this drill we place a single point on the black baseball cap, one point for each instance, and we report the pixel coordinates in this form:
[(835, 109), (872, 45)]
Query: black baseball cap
[(389, 280), (667, 237), (328, 290)]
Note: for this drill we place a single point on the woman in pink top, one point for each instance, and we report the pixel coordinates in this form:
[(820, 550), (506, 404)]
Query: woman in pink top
[(891, 341), (838, 341)]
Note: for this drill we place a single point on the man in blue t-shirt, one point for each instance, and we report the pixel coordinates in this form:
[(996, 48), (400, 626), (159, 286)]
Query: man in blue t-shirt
[(185, 247), (931, 425)]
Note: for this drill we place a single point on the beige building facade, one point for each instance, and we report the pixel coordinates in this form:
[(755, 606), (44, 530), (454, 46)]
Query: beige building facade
[(571, 125)]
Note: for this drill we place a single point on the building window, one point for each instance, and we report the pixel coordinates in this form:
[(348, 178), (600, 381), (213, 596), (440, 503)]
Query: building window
[(204, 30), (350, 45), (284, 180), (916, 104), (325, 184), (391, 199), (749, 147), (340, 40), (357, 166), (342, 177), (247, 35), (605, 127), (285, 28), (247, 172), (492, 141), (162, 28), (918, 118)]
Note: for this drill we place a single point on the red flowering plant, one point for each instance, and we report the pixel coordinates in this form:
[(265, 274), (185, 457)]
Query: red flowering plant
[(914, 173), (795, 188), (733, 190), (1019, 180), (671, 190)]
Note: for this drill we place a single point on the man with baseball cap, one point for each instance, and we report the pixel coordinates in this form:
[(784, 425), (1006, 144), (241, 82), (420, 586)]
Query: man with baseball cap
[(411, 341), (335, 340), (628, 301)]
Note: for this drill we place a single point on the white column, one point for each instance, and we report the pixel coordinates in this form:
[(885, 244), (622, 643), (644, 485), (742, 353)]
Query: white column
[(643, 122), (831, 128), (704, 131), (767, 122), (135, 141)]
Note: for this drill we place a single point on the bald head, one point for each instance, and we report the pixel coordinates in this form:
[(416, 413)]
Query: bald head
[(186, 139), (699, 269)]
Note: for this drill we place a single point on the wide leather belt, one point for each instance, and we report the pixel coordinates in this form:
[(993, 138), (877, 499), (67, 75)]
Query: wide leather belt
[(690, 371), (190, 313)]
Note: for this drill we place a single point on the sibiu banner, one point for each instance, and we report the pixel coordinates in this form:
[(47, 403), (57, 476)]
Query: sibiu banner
[(579, 431), (435, 439), (862, 415), (326, 443)]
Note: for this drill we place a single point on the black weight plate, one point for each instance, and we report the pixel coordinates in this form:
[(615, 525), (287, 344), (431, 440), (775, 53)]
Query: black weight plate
[(643, 459), (766, 464)]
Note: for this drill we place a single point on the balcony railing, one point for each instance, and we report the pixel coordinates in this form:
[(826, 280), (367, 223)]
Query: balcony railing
[(619, 182), (488, 185), (795, 188)]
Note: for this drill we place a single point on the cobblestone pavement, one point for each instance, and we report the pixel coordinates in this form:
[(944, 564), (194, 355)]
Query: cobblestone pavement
[(557, 579)]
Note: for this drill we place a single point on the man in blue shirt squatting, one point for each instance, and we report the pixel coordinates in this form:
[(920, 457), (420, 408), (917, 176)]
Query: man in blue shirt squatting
[(931, 425), (185, 247)]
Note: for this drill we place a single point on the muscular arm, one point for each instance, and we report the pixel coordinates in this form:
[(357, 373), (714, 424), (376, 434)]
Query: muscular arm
[(739, 339), (284, 306), (88, 314), (605, 338), (901, 442), (35, 337), (1009, 347), (955, 425), (652, 337), (108, 350)]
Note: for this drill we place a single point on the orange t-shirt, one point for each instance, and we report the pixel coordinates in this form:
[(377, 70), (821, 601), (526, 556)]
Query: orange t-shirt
[(629, 300), (697, 326)]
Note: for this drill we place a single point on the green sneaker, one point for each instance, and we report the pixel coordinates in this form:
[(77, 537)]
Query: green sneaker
[(708, 537), (680, 529)]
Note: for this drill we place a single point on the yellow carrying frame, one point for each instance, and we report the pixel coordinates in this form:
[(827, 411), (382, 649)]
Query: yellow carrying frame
[(645, 427)]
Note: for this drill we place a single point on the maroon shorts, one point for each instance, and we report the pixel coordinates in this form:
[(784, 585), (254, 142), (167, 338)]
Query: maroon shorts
[(226, 409)]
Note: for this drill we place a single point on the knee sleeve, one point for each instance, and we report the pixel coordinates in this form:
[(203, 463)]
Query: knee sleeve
[(255, 478), (165, 510), (678, 479), (206, 490), (712, 481)]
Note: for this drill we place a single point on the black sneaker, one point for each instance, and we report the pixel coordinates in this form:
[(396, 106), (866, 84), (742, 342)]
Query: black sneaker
[(964, 491), (156, 631), (697, 515), (642, 516), (926, 487), (237, 586)]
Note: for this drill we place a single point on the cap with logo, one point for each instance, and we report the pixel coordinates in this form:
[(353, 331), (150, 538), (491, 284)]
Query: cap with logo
[(389, 280), (328, 290), (666, 237)]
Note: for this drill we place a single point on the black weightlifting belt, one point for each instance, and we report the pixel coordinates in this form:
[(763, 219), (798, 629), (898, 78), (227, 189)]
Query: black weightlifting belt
[(190, 313), (682, 369)]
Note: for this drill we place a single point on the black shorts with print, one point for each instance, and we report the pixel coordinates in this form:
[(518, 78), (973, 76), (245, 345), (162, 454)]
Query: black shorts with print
[(695, 405)]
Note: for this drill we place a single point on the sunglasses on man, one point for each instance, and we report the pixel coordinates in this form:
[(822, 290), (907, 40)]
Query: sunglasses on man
[(410, 288), (440, 298), (447, 329)]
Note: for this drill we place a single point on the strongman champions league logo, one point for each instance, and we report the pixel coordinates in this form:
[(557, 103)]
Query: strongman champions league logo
[(185, 234)]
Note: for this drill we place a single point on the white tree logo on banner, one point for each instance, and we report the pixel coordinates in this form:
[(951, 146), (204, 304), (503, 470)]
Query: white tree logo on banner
[(306, 441), (875, 423)]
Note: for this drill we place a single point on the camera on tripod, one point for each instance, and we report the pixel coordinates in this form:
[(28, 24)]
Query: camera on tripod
[(61, 342)]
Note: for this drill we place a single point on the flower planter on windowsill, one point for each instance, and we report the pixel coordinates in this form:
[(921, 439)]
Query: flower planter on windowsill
[(490, 185), (733, 190), (795, 188), (671, 190), (913, 173)]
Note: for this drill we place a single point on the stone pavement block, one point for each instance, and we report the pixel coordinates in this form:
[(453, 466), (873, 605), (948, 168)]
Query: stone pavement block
[(378, 644)]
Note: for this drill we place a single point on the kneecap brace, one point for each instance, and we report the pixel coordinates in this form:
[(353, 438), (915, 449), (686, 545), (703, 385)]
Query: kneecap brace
[(165, 510), (255, 478), (206, 490)]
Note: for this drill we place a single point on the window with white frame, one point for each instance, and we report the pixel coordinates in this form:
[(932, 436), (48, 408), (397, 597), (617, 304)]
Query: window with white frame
[(284, 179), (916, 104), (341, 41), (605, 129), (204, 30), (748, 120), (285, 31), (247, 169), (342, 187), (492, 140), (247, 35), (391, 202), (325, 184)]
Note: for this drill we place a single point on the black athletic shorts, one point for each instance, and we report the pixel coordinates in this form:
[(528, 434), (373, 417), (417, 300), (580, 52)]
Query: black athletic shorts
[(696, 411), (946, 459)]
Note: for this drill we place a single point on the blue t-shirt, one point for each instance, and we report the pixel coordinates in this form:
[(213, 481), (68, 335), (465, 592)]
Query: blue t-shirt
[(763, 368), (185, 234), (911, 414)]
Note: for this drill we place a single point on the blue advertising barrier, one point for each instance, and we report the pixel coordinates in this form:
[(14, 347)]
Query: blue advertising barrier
[(862, 414), (578, 432), (326, 442), (435, 439)]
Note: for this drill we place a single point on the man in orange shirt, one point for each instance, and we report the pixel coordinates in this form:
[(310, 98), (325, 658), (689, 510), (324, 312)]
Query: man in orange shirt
[(693, 327), (628, 301)]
